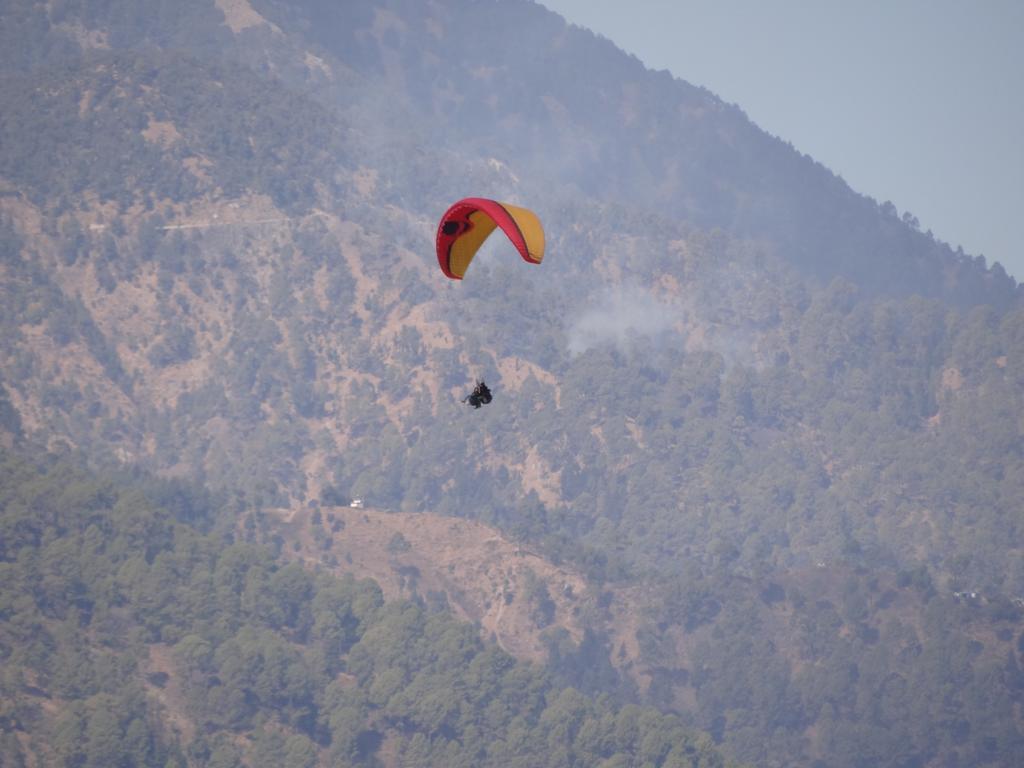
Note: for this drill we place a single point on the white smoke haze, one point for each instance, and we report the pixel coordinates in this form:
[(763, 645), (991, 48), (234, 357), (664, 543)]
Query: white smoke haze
[(624, 315), (618, 315)]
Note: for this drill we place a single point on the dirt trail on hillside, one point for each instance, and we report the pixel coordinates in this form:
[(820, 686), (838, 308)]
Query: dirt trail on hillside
[(242, 222)]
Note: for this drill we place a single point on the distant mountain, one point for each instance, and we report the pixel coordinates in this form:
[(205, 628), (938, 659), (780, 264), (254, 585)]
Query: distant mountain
[(558, 104), (772, 427), (549, 100)]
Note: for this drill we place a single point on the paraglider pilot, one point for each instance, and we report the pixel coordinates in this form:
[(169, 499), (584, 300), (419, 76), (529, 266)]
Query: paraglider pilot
[(481, 395)]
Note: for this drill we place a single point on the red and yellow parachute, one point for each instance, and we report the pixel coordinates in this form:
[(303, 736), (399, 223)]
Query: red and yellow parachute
[(465, 226)]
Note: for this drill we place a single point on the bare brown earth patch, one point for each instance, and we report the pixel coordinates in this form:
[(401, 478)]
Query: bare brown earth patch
[(515, 372), (85, 37), (539, 477), (952, 380), (239, 15), (161, 132), (164, 685), (481, 575)]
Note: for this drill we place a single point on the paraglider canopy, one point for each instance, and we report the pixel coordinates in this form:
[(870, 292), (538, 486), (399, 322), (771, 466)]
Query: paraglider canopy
[(468, 223)]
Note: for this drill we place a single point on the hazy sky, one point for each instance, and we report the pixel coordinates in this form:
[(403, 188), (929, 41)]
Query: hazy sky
[(920, 102)]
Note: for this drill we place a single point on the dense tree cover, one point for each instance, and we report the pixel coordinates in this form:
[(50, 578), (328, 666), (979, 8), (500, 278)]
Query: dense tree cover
[(39, 34), (861, 659), (151, 128), (122, 625)]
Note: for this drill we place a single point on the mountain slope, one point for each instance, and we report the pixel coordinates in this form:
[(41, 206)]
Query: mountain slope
[(132, 635), (628, 135), (517, 85)]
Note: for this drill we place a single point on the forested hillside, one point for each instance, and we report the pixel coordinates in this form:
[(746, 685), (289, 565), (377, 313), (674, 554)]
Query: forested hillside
[(773, 426), (134, 633)]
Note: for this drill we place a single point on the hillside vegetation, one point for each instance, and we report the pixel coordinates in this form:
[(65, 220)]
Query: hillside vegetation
[(134, 635), (755, 453)]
